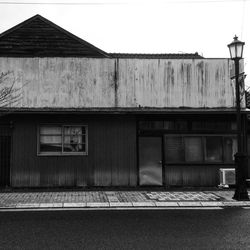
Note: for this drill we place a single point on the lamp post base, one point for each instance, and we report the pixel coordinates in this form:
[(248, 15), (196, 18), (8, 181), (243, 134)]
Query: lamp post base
[(241, 194)]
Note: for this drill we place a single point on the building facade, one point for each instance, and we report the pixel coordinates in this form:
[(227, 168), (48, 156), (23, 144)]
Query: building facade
[(84, 117)]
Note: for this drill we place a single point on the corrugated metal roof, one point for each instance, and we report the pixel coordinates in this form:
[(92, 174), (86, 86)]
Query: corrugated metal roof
[(157, 56)]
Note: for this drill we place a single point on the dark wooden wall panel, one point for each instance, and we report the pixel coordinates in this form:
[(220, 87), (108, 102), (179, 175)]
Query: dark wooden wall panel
[(111, 159), (191, 176), (5, 151), (248, 151), (173, 176), (5, 159)]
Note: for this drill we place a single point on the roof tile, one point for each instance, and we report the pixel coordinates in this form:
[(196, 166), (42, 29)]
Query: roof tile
[(38, 36)]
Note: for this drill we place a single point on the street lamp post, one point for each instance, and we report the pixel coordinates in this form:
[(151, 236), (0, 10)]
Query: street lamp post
[(236, 52)]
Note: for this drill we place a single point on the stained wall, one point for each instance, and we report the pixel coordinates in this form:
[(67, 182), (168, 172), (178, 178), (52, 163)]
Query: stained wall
[(133, 83)]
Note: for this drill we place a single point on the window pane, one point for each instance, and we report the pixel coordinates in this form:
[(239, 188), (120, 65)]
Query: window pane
[(74, 139), (72, 130), (230, 149), (74, 143), (83, 130), (169, 125), (193, 149), (217, 125), (198, 125), (74, 147), (50, 148), (213, 148), (52, 130), (174, 149), (213, 125), (181, 125), (51, 139), (233, 126), (151, 124)]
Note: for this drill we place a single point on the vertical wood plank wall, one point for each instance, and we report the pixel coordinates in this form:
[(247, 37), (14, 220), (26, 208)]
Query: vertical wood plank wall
[(193, 175), (111, 159), (5, 154)]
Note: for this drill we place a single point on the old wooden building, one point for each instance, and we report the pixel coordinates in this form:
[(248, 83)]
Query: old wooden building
[(84, 117)]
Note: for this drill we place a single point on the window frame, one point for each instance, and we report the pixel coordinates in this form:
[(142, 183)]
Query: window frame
[(188, 126), (202, 149), (62, 153), (205, 153), (203, 136)]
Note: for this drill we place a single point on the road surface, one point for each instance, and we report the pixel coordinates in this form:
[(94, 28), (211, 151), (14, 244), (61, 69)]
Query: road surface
[(120, 229)]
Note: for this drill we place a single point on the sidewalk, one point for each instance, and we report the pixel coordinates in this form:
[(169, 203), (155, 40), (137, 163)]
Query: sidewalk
[(118, 199)]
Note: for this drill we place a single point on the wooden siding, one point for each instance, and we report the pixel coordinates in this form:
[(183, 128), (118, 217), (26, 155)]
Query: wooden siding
[(5, 154), (130, 83), (111, 159), (193, 175)]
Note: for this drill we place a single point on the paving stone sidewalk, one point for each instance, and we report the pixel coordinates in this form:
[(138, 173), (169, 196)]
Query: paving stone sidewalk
[(113, 199)]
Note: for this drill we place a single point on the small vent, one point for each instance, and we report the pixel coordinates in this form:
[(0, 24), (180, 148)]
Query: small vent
[(227, 177)]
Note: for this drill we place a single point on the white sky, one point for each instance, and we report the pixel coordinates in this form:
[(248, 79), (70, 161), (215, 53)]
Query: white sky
[(149, 26)]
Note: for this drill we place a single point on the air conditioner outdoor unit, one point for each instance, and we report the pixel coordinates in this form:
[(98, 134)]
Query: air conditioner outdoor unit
[(227, 177)]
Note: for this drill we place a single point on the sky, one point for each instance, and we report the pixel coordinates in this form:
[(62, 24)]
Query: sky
[(144, 26)]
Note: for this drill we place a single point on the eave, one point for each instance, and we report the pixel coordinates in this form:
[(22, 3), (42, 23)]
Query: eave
[(138, 111)]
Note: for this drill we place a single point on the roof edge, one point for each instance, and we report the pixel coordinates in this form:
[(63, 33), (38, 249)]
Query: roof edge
[(145, 110), (157, 55)]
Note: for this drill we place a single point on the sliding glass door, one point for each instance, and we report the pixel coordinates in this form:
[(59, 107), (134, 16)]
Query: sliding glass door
[(150, 161)]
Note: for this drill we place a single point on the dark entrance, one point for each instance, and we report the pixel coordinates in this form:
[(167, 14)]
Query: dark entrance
[(5, 147), (150, 161)]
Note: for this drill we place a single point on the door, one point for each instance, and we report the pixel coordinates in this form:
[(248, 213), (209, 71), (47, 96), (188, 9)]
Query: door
[(5, 146), (150, 161)]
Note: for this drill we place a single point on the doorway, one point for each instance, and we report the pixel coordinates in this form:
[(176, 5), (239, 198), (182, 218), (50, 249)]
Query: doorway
[(150, 161)]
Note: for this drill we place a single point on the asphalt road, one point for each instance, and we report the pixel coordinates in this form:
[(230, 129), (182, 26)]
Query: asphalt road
[(137, 229)]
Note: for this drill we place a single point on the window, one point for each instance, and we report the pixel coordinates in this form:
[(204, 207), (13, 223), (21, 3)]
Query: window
[(188, 125), (166, 125), (230, 148), (151, 124), (62, 139), (213, 149), (193, 149), (174, 149), (199, 149), (213, 125)]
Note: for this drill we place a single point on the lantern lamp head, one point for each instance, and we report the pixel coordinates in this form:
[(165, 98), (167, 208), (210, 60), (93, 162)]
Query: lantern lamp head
[(236, 49)]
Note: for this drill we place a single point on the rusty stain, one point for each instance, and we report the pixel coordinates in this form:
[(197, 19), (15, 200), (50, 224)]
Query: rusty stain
[(172, 75), (169, 73), (200, 78), (85, 82), (116, 76), (217, 75), (188, 74)]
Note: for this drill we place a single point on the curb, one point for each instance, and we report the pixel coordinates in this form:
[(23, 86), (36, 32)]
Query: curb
[(128, 205)]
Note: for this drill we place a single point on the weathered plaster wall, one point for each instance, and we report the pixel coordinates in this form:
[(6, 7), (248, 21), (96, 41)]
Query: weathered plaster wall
[(84, 82)]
